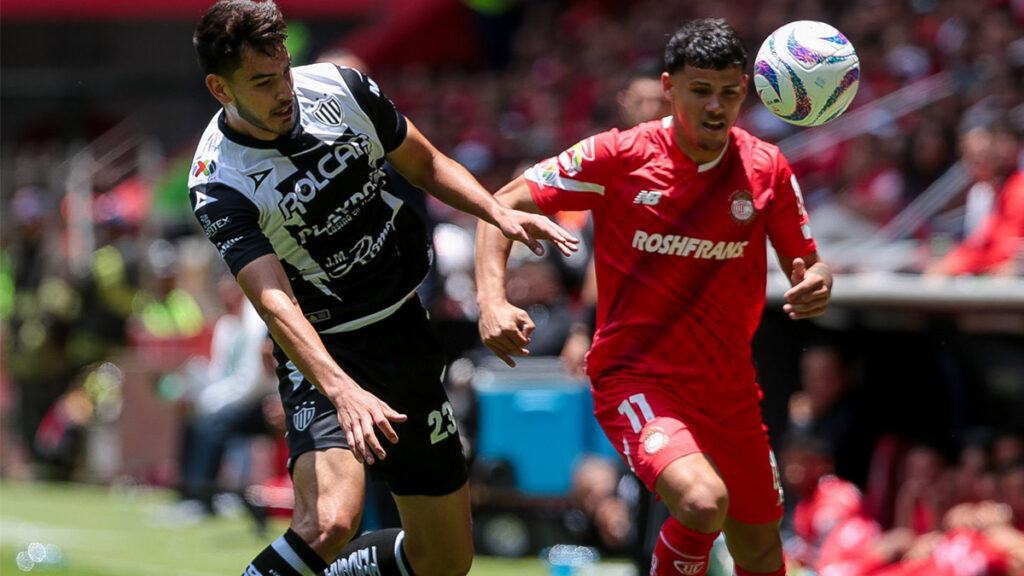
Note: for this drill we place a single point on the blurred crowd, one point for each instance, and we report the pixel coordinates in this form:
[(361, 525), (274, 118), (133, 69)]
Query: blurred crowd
[(89, 279)]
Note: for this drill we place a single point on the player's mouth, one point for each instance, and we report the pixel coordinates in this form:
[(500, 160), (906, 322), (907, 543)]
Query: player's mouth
[(713, 126), (284, 112)]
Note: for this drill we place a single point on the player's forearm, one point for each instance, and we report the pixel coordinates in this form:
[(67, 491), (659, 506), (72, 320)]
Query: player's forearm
[(492, 250), (452, 184), (301, 343)]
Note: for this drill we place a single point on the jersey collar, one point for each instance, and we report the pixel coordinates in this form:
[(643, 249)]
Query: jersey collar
[(709, 165), (666, 124)]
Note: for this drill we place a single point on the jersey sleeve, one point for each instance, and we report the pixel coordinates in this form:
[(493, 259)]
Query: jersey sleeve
[(577, 178), (231, 222), (789, 226), (390, 124)]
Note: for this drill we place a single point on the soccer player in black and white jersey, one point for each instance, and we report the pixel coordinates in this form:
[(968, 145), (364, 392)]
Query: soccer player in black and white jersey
[(288, 183)]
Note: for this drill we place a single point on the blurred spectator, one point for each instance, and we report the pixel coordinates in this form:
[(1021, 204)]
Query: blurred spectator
[(223, 397), (826, 529), (165, 310), (603, 497), (992, 224), (641, 99), (828, 407), (535, 285), (36, 324), (997, 246), (925, 490), (870, 184)]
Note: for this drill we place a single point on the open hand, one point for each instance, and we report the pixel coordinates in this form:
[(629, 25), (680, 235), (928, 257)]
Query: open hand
[(530, 229), (359, 413)]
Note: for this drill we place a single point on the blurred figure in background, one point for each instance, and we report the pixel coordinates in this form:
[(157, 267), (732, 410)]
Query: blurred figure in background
[(223, 397), (993, 231), (641, 100), (43, 305), (603, 496), (828, 407)]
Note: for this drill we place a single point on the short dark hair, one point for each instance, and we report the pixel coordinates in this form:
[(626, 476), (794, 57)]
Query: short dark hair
[(705, 43), (231, 24), (646, 69)]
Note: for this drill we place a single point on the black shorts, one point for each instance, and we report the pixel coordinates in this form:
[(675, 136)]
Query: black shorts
[(399, 360)]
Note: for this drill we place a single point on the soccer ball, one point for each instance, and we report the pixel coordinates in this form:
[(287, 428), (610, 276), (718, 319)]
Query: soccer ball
[(806, 73)]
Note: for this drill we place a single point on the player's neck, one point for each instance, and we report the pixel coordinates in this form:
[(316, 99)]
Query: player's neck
[(697, 154), (240, 125)]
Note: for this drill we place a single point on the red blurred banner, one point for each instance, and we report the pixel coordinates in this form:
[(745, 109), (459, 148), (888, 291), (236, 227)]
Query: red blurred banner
[(57, 10)]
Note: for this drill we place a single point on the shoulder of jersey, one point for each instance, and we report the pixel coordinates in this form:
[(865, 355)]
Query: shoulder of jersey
[(324, 74), (218, 161), (762, 153)]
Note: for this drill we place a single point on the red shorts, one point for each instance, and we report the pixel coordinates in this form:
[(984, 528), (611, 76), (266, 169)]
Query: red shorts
[(652, 423)]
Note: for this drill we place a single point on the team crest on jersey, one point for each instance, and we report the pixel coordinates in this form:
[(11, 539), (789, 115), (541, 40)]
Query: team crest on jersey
[(204, 168), (572, 159), (328, 111), (304, 416), (741, 207)]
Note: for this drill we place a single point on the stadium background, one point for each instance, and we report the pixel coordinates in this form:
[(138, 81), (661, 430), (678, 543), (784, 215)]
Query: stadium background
[(102, 102)]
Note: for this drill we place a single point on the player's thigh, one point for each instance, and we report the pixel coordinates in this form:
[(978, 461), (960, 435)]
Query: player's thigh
[(329, 489), (755, 547), (438, 529)]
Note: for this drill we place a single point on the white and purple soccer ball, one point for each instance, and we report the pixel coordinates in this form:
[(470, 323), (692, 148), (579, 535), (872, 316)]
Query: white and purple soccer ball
[(806, 73)]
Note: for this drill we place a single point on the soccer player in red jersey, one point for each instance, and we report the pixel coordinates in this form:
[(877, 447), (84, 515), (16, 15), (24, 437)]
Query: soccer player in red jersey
[(683, 208)]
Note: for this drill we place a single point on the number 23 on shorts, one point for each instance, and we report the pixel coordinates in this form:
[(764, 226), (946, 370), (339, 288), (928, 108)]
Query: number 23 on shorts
[(437, 420)]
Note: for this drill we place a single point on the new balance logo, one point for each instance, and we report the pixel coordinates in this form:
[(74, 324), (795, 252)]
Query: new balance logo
[(647, 198)]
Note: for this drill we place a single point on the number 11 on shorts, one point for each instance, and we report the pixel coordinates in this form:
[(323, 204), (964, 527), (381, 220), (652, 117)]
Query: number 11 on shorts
[(626, 408)]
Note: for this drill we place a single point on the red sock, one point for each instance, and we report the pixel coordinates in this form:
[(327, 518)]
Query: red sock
[(780, 572), (680, 550)]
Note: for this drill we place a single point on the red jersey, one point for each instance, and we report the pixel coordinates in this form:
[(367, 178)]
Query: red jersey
[(680, 248)]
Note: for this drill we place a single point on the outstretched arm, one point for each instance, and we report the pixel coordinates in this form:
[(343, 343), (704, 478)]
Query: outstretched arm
[(265, 283), (812, 286), (504, 328), (447, 180)]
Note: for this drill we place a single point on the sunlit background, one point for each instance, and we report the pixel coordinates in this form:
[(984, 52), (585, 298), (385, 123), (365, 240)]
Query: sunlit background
[(911, 388)]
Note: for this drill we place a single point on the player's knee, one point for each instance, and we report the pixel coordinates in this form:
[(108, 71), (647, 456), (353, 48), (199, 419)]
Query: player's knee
[(698, 501), (325, 532), (705, 506)]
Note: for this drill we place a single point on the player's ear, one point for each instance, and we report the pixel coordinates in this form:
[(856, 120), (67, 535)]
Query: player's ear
[(218, 86), (666, 85)]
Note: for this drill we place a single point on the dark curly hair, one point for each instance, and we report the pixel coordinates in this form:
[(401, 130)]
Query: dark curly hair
[(705, 43), (231, 24)]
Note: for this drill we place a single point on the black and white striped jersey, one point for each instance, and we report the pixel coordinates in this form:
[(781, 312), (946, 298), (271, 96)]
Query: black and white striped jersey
[(319, 199)]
